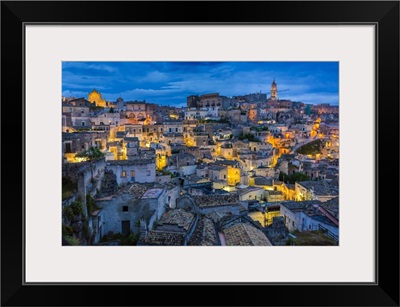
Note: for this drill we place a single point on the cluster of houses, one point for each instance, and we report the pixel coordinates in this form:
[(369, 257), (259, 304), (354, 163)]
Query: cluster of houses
[(243, 170)]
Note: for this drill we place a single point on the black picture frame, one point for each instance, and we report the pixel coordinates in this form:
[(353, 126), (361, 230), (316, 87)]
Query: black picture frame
[(383, 14)]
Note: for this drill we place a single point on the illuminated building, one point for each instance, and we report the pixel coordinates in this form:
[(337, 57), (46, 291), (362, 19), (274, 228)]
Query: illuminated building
[(96, 98)]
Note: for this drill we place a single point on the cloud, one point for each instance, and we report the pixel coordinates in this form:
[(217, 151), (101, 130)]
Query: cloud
[(72, 86), (88, 65), (317, 98), (155, 76), (77, 94)]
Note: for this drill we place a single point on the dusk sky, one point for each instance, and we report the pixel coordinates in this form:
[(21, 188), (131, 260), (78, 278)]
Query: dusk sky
[(169, 83)]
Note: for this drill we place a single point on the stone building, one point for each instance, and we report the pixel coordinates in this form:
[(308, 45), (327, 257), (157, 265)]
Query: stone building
[(72, 143), (209, 100), (138, 170)]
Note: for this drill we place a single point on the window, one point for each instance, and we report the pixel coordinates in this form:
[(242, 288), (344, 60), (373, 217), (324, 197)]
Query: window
[(83, 123), (132, 173), (293, 223), (123, 174), (224, 176), (124, 208), (148, 173), (176, 129)]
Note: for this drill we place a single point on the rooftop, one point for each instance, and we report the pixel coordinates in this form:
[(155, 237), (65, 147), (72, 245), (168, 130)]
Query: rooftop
[(136, 189), (226, 162), (163, 238), (214, 167), (130, 138), (215, 200), (321, 187), (244, 234), (263, 181), (196, 179), (274, 192), (152, 193), (299, 205), (130, 162), (248, 190), (204, 234), (178, 217), (332, 206)]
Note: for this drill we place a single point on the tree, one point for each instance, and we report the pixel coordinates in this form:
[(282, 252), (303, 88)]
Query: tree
[(90, 154), (249, 137), (283, 177), (296, 177)]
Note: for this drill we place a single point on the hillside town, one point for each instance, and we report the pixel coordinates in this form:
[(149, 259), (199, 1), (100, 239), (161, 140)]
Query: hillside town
[(250, 170)]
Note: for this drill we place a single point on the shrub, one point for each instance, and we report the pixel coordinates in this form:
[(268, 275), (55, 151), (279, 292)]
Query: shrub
[(72, 240), (111, 237), (90, 154), (249, 137), (85, 230), (311, 148), (91, 204), (73, 210), (69, 187), (129, 240), (67, 230)]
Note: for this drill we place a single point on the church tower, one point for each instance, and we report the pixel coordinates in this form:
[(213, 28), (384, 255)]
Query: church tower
[(96, 98), (274, 91)]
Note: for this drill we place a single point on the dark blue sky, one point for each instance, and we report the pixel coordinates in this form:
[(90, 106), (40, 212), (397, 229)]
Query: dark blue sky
[(169, 83)]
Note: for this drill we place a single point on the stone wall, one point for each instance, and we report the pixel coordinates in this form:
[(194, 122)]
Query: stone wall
[(114, 214)]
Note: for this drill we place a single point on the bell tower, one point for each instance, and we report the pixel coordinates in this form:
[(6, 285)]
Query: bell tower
[(274, 91)]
